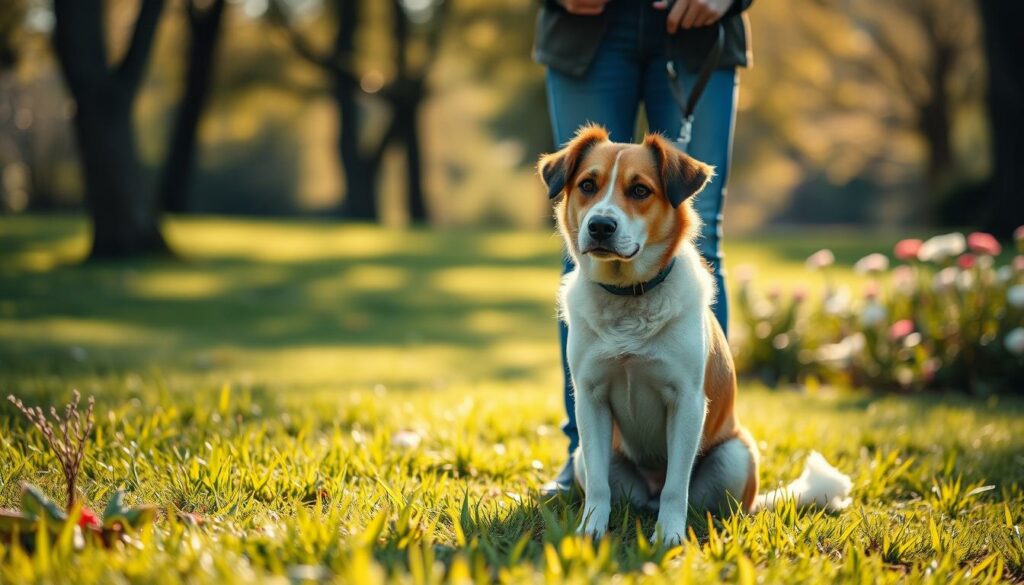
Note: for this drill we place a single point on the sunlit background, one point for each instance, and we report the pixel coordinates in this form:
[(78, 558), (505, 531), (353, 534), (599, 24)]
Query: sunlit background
[(855, 111)]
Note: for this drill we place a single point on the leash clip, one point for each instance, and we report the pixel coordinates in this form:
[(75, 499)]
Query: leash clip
[(686, 131)]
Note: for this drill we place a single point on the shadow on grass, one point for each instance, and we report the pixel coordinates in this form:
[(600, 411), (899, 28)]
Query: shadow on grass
[(452, 292)]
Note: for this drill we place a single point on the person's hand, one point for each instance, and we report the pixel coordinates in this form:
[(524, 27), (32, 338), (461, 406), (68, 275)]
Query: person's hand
[(692, 13), (584, 7)]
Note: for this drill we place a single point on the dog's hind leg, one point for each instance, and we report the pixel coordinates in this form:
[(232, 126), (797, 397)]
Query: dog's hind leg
[(726, 477), (624, 480)]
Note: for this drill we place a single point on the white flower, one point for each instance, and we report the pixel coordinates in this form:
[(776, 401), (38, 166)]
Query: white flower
[(838, 303), (912, 340), (903, 280), (942, 247), (762, 310), (1015, 296), (965, 280), (1014, 341), (1004, 273), (821, 259), (871, 263), (945, 279), (873, 315), (840, 354), (406, 439)]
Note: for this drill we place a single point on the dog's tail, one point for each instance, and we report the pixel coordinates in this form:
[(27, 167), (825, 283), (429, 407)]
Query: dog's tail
[(820, 484)]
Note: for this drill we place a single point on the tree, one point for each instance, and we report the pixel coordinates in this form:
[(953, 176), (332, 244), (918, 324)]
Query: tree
[(124, 209), (920, 44), (204, 25), (404, 95), (1005, 51)]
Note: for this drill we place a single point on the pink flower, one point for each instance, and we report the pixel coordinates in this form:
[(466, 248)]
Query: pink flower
[(901, 329), (871, 263), (799, 295), (821, 259), (982, 243), (1018, 234), (1018, 263), (965, 261), (906, 250)]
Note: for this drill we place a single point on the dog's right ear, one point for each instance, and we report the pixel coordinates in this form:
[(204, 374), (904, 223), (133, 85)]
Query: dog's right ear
[(559, 168)]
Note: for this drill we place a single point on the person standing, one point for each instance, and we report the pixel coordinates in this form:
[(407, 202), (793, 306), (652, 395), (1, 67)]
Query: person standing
[(606, 57)]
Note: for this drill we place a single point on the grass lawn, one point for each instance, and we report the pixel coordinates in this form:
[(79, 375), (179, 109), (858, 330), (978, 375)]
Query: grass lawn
[(276, 381)]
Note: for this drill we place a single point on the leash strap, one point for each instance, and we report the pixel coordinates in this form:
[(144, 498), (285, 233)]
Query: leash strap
[(688, 104)]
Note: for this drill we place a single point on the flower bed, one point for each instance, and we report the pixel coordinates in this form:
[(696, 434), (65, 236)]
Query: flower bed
[(946, 316)]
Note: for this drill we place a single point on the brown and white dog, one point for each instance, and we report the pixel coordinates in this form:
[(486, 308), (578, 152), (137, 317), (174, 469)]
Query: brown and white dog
[(653, 375)]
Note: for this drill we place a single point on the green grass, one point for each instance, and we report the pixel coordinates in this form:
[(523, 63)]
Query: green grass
[(260, 384)]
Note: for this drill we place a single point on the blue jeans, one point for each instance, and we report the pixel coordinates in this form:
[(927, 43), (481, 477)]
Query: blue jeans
[(629, 69)]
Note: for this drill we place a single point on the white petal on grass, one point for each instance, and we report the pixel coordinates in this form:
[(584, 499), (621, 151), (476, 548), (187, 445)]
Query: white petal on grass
[(406, 439)]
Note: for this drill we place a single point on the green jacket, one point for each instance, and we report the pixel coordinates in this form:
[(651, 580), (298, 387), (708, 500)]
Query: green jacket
[(567, 42)]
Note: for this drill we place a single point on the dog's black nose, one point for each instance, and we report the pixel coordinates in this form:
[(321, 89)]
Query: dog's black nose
[(601, 228)]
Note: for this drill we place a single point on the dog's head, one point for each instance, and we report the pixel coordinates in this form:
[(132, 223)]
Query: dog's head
[(624, 208)]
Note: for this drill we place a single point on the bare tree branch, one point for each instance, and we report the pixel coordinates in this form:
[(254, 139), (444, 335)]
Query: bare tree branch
[(133, 64), (334, 64)]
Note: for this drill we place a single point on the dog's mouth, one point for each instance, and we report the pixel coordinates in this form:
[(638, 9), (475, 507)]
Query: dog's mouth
[(602, 253)]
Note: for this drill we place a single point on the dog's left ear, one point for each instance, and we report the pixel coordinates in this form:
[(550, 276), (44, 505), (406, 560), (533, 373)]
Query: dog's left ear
[(682, 176)]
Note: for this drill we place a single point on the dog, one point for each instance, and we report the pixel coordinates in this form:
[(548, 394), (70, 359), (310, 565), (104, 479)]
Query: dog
[(651, 369)]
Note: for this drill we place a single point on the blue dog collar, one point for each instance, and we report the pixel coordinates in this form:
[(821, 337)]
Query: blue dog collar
[(641, 288)]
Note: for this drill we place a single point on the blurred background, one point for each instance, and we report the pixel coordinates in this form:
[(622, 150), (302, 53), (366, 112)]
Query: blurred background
[(214, 148), (855, 112)]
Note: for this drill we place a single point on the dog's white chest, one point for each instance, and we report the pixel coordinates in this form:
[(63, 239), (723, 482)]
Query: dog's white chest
[(639, 408)]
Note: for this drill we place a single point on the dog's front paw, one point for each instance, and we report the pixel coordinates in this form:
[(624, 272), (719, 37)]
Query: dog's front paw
[(595, 521), (671, 529), (669, 537)]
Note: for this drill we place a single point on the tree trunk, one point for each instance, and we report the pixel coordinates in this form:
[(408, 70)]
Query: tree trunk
[(204, 34), (124, 210), (1004, 49), (414, 162), (123, 205), (414, 169), (409, 91), (936, 127), (360, 170)]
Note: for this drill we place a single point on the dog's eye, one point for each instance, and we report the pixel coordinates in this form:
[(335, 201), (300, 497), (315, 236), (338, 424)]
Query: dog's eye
[(588, 186), (639, 192)]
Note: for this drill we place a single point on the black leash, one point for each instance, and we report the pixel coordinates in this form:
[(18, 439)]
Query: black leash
[(689, 104)]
